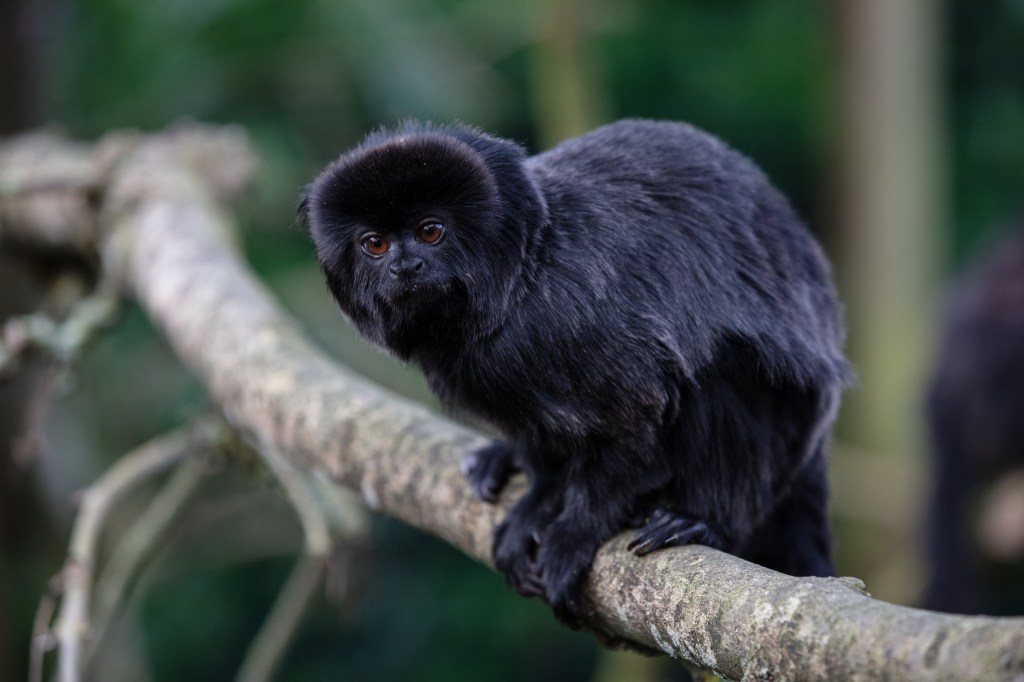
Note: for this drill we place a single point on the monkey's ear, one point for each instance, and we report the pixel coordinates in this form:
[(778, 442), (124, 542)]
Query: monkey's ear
[(302, 210)]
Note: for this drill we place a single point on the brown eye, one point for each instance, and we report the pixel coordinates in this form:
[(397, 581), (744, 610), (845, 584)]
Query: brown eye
[(375, 245), (430, 232)]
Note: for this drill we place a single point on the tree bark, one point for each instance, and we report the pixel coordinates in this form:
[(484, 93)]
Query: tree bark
[(169, 240)]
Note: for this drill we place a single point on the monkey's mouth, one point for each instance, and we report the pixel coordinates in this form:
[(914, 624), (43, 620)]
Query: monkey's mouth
[(416, 291), (445, 296)]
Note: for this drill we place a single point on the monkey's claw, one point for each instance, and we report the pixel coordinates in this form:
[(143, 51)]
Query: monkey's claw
[(667, 529)]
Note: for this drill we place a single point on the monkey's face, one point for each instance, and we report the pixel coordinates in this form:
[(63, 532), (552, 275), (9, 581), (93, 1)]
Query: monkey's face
[(407, 232)]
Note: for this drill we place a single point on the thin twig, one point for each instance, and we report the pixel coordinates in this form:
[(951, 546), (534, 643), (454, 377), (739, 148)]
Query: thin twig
[(137, 544), (304, 500), (31, 439), (267, 649), (349, 519), (124, 476), (42, 636), (62, 340)]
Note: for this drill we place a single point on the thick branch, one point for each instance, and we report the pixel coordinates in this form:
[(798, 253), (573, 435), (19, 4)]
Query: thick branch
[(47, 186), (172, 240)]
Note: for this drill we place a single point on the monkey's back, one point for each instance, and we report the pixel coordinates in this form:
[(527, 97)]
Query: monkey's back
[(667, 221)]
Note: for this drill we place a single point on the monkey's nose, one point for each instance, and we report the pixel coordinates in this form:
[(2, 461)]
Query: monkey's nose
[(406, 266)]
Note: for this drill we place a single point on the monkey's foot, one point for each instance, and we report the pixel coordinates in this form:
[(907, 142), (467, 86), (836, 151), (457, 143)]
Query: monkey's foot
[(565, 562), (488, 469), (515, 556), (667, 529)]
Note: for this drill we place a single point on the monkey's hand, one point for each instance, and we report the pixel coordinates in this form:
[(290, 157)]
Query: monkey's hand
[(488, 469)]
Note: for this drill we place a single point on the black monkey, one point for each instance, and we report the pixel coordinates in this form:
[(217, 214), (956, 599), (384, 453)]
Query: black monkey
[(975, 419), (638, 310)]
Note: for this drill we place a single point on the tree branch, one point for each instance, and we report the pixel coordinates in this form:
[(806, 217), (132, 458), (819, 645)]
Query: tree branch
[(170, 242)]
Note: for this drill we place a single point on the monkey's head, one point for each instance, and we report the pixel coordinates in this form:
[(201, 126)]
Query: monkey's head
[(421, 232)]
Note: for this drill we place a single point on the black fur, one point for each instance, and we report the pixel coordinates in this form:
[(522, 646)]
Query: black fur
[(638, 310)]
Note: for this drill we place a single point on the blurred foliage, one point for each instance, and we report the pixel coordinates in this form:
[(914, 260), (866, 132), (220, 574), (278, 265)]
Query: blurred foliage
[(985, 66), (308, 78)]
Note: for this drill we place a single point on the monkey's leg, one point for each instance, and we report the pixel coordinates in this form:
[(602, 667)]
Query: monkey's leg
[(597, 505), (668, 529), (795, 538), (489, 468)]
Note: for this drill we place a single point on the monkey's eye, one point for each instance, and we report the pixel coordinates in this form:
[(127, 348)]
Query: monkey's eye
[(430, 231), (375, 245)]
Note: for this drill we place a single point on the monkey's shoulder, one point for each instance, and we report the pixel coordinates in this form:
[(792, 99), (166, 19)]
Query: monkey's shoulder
[(642, 146)]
